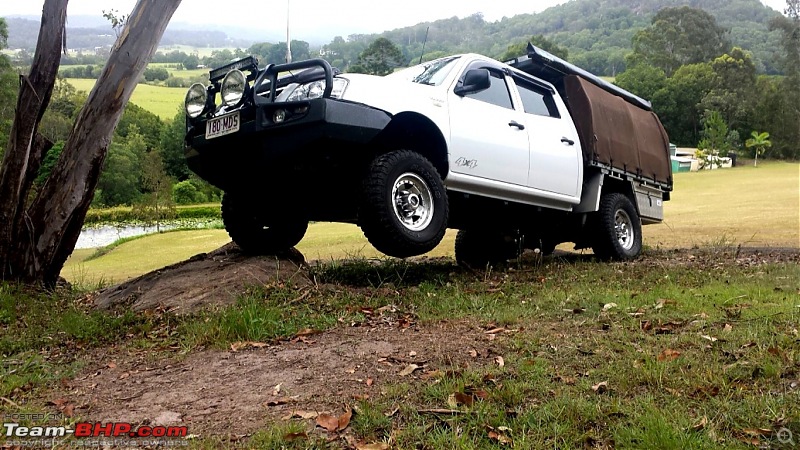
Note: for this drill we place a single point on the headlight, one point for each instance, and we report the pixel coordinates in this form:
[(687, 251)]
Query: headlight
[(316, 89), (195, 102), (233, 87)]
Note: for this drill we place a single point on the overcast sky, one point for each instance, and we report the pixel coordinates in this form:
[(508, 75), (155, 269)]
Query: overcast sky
[(313, 16)]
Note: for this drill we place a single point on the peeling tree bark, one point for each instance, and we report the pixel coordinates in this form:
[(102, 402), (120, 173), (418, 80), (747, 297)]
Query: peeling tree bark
[(36, 249), (26, 148)]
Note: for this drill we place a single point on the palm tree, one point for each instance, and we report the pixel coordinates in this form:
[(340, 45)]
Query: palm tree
[(759, 141)]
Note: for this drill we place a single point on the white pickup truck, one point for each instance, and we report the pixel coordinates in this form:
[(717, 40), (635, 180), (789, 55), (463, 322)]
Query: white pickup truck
[(525, 154)]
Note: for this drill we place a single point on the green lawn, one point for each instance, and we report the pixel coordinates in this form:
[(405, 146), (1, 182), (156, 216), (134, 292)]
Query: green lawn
[(746, 205), (161, 101)]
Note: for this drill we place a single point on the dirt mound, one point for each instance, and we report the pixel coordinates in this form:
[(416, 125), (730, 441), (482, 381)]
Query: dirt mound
[(227, 393), (214, 278)]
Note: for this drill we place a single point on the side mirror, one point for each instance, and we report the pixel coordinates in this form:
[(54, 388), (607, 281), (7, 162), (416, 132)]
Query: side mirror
[(475, 80)]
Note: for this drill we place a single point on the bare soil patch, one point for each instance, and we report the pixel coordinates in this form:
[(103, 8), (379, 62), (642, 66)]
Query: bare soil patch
[(234, 393)]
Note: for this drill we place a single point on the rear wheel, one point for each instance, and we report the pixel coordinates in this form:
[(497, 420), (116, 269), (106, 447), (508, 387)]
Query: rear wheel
[(258, 230), (404, 207), (619, 233), (479, 248)]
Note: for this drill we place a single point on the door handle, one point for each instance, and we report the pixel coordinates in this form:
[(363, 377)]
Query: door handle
[(567, 141), (514, 123)]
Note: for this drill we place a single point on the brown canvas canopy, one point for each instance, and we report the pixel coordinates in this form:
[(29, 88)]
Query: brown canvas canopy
[(616, 133)]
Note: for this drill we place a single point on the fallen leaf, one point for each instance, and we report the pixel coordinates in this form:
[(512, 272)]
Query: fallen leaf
[(495, 330), (709, 338), (500, 361), (370, 381), (276, 390), (482, 395), (307, 332), (464, 399), (700, 425), (295, 436), (305, 415), (409, 370), (344, 419), (728, 328), (392, 413), (69, 410), (473, 353), (378, 446), (600, 387), (279, 402), (646, 325), (412, 354), (328, 422), (432, 374), (669, 355), (501, 438), (112, 365), (124, 375), (609, 306)]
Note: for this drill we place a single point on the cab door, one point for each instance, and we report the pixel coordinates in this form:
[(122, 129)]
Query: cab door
[(556, 163), (488, 136)]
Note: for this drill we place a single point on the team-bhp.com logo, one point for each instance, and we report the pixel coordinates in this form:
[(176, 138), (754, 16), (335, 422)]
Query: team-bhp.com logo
[(86, 429)]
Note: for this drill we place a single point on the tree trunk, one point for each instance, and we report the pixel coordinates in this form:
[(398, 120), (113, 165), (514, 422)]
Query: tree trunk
[(26, 148), (54, 219)]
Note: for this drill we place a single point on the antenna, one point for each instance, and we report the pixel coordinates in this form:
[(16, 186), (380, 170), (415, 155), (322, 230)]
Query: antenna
[(423, 45), (288, 40)]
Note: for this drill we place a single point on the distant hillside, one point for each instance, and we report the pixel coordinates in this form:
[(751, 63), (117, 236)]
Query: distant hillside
[(92, 32), (597, 32)]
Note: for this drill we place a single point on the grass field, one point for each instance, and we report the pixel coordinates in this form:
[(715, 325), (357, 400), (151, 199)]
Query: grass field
[(161, 101), (201, 52), (746, 205)]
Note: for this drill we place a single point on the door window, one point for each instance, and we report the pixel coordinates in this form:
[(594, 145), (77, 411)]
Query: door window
[(497, 94), (536, 100)]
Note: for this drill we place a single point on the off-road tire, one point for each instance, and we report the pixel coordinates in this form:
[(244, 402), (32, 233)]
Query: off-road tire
[(619, 229), (250, 226), (478, 249), (390, 175)]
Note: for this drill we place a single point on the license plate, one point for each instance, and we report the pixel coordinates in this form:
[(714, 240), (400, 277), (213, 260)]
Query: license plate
[(222, 126)]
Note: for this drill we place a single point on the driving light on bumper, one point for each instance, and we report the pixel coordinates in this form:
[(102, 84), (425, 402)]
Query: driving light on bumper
[(195, 101), (233, 87)]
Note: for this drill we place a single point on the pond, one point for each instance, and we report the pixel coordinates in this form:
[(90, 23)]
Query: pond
[(101, 236), (108, 234)]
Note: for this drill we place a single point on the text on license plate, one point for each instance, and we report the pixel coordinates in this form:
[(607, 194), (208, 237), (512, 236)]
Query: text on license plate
[(221, 126)]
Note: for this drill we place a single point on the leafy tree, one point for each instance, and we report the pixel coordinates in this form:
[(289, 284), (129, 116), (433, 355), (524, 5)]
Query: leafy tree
[(733, 87), (381, 57), (172, 146), (119, 181), (715, 142), (678, 102), (156, 74), (642, 79), (190, 62), (156, 204), (143, 122), (759, 142), (679, 36), (521, 48), (787, 136)]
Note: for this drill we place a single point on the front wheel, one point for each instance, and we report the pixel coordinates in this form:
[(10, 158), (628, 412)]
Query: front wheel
[(259, 230), (619, 233), (404, 207)]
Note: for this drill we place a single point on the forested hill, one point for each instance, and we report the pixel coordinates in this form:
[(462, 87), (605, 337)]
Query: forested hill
[(597, 33)]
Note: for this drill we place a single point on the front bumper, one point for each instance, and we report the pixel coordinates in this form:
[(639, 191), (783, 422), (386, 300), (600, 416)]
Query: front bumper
[(319, 131)]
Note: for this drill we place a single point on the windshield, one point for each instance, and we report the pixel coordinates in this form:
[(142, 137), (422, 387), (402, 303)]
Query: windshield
[(431, 73)]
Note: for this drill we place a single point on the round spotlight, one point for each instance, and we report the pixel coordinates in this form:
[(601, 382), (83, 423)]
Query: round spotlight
[(195, 101), (233, 87)]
